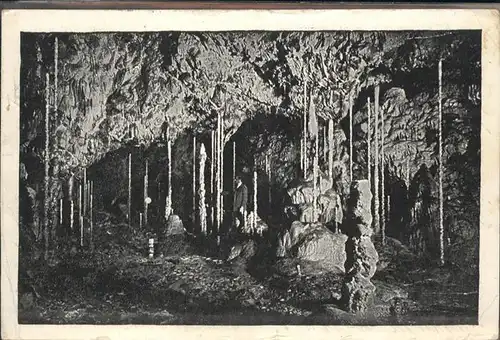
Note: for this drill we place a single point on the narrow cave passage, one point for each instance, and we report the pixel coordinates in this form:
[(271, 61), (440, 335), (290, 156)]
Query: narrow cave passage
[(271, 139)]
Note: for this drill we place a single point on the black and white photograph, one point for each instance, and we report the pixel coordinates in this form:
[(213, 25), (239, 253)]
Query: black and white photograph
[(250, 177)]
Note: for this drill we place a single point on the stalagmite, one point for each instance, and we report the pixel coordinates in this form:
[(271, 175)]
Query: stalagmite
[(368, 142), (146, 184), (376, 224), (80, 216), (440, 122), (201, 190), (330, 149), (140, 220), (361, 255), (194, 180), (46, 199), (129, 200), (350, 138)]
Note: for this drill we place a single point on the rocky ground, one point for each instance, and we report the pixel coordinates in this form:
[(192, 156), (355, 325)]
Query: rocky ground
[(116, 283)]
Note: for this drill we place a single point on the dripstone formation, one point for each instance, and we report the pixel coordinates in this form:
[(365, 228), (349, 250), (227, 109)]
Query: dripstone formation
[(362, 258)]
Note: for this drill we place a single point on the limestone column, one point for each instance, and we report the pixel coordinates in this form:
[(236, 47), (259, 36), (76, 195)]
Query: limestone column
[(362, 258)]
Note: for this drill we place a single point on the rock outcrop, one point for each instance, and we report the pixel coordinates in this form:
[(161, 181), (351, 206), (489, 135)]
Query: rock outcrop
[(323, 247), (245, 250), (314, 243), (174, 226), (329, 203), (362, 258)]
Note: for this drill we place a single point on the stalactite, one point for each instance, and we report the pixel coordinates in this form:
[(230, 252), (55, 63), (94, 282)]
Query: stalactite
[(388, 209), (222, 142), (315, 186), (255, 206), (325, 143), (146, 198), (70, 201), (234, 165), (268, 173), (212, 180), (47, 167), (304, 152), (368, 142), (194, 181), (217, 180), (129, 200), (80, 216), (84, 191), (440, 122), (313, 132), (201, 190), (350, 138), (301, 155), (305, 126), (72, 215), (407, 173), (376, 224), (168, 198), (330, 149), (91, 207), (382, 173), (56, 61), (60, 212)]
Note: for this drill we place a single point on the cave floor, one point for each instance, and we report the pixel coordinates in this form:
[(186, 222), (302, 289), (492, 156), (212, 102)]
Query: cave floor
[(193, 289), (117, 284)]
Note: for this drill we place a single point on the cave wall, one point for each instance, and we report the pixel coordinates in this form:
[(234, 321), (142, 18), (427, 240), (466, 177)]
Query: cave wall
[(116, 89)]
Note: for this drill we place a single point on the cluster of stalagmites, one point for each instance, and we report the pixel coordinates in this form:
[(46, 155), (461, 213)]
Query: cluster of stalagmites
[(362, 258)]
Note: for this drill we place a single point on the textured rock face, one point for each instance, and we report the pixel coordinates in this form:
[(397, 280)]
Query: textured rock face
[(361, 254), (174, 226), (362, 258), (303, 193), (284, 244), (243, 250), (296, 230), (329, 203), (317, 244)]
